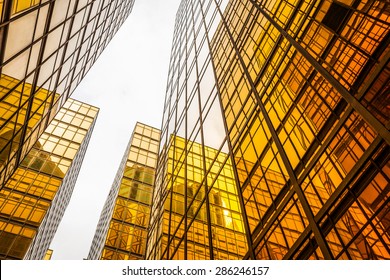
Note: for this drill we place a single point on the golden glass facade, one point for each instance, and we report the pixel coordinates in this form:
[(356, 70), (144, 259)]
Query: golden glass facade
[(195, 215), (46, 48), (123, 226), (35, 197), (196, 211), (274, 139), (309, 142), (293, 97)]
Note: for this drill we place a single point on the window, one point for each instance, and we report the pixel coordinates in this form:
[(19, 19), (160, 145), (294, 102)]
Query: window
[(21, 5), (335, 17)]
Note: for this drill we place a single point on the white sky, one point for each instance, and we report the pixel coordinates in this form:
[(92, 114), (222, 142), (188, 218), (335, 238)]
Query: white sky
[(128, 84)]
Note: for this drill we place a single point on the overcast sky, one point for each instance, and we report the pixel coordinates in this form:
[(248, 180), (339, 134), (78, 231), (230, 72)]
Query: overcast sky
[(128, 84)]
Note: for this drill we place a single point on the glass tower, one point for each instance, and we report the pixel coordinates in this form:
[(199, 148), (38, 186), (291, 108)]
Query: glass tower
[(123, 225), (34, 199), (274, 138), (46, 48), (293, 98), (303, 90)]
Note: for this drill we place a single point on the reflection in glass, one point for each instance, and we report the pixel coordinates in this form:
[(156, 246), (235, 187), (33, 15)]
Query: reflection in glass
[(121, 233), (34, 191)]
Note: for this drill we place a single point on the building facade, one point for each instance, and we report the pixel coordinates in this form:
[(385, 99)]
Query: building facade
[(294, 96), (34, 198), (122, 229), (46, 48), (193, 212)]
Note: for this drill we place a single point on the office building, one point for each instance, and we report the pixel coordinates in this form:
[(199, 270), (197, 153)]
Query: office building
[(123, 225), (34, 198), (294, 95), (274, 139), (46, 48)]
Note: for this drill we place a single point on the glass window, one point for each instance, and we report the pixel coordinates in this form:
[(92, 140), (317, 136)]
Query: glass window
[(21, 5)]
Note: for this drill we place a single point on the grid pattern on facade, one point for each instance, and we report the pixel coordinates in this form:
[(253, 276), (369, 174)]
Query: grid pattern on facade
[(296, 94), (106, 214), (192, 189), (122, 230), (49, 226), (48, 169), (303, 98), (46, 48), (192, 203)]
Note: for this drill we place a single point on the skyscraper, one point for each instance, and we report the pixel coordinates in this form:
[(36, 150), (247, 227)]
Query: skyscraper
[(274, 138), (123, 225), (35, 197), (295, 93), (46, 48), (305, 77)]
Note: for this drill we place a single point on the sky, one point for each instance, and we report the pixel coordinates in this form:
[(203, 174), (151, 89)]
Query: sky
[(128, 84)]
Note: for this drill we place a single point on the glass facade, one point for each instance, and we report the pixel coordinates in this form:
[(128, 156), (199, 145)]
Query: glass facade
[(309, 143), (195, 210), (274, 138), (46, 48), (33, 200), (123, 226), (291, 99)]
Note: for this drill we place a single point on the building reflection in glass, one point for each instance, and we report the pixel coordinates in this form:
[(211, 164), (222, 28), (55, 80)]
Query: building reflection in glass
[(35, 197), (122, 229)]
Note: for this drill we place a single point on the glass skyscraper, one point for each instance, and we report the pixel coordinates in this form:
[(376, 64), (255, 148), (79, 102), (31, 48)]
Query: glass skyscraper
[(123, 225), (274, 138), (34, 199), (304, 87), (300, 90), (46, 48)]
